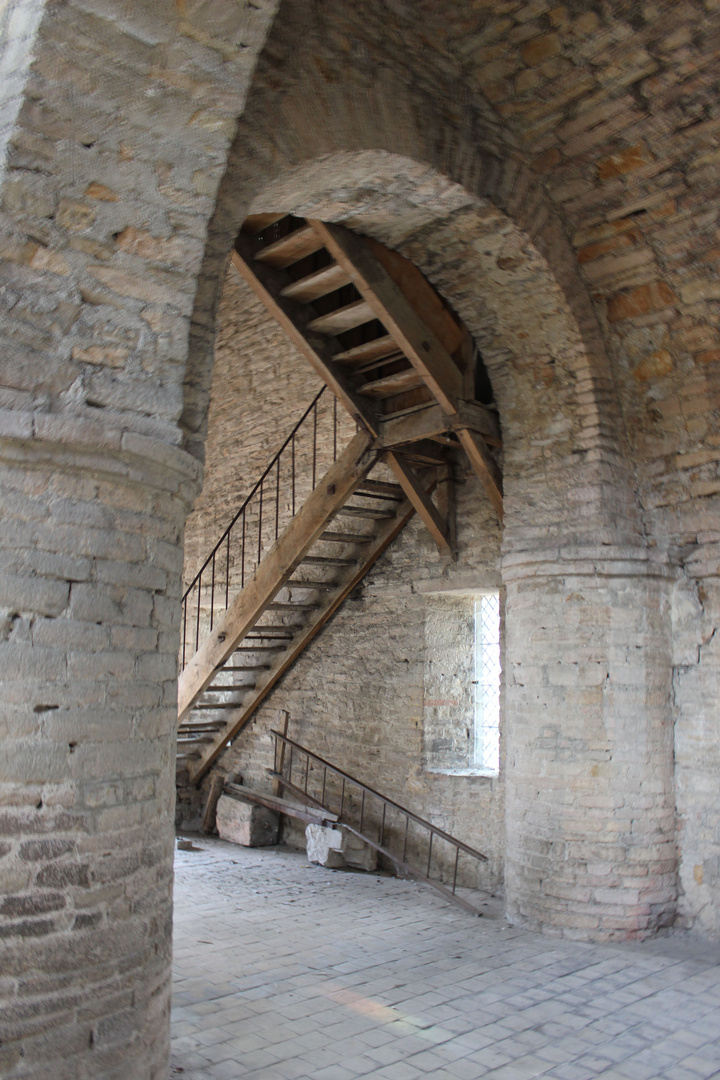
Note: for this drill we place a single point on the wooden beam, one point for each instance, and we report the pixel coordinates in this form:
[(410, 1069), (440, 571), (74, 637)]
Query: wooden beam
[(277, 784), (418, 496), (294, 317), (280, 806), (422, 296), (485, 466), (332, 492), (422, 348), (430, 421)]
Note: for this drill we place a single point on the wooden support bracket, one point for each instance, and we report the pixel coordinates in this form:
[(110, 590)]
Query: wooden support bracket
[(485, 467), (418, 496)]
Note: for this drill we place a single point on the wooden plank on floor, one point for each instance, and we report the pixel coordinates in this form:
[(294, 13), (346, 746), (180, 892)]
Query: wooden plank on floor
[(278, 804)]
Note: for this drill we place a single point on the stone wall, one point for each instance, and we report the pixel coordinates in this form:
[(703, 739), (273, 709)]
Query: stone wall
[(578, 151), (117, 120)]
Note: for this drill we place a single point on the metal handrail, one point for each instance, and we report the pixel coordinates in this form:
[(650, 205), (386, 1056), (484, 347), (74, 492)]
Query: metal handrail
[(218, 564), (281, 758), (312, 407)]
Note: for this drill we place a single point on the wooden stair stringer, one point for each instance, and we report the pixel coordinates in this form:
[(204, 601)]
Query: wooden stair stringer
[(276, 567), (238, 719)]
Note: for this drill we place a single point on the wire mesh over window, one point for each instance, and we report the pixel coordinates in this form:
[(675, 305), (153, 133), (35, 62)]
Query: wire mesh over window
[(487, 682)]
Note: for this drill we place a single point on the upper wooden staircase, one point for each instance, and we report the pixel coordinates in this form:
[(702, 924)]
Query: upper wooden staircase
[(403, 366)]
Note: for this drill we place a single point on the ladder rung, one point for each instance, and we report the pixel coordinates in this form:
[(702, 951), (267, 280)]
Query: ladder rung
[(319, 284), (346, 538), (296, 245), (345, 318)]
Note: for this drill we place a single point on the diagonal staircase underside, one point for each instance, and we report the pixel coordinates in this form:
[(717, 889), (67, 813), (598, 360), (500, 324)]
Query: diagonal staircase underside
[(306, 536)]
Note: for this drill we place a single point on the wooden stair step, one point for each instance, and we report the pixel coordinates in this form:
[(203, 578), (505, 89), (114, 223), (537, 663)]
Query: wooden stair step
[(380, 489), (370, 350), (257, 223), (383, 361), (291, 248), (230, 688), (344, 318), (327, 560), (290, 606), (318, 284), (261, 648), (366, 512), (392, 384), (217, 705), (244, 667), (296, 583), (200, 729), (347, 538)]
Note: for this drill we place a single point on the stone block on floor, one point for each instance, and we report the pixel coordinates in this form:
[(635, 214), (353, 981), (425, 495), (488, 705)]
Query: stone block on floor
[(357, 853), (335, 848), (243, 823), (324, 846)]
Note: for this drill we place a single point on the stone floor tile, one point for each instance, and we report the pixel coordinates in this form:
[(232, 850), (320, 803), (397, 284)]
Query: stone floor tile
[(299, 973)]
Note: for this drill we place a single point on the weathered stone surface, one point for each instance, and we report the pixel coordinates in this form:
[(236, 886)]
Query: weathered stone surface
[(324, 846), (119, 182), (357, 853), (246, 824)]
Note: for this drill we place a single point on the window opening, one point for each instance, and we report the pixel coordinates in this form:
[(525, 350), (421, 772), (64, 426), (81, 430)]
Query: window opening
[(486, 748), (461, 683)]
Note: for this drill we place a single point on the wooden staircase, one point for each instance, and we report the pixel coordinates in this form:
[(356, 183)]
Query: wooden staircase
[(403, 366)]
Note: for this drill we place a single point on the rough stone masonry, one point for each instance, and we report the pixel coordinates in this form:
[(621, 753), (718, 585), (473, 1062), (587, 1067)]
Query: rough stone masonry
[(552, 169)]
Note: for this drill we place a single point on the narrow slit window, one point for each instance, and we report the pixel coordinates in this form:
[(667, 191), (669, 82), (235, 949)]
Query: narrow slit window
[(486, 748)]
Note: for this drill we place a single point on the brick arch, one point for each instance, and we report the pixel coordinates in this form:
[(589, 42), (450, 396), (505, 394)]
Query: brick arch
[(309, 141), (586, 729)]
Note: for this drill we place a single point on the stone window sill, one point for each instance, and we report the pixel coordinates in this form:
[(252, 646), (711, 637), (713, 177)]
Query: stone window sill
[(489, 773)]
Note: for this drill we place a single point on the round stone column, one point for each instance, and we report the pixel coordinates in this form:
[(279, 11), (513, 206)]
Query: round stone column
[(90, 576), (589, 795)]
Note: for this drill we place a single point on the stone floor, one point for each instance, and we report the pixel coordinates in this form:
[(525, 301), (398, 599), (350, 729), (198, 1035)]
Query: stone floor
[(286, 971)]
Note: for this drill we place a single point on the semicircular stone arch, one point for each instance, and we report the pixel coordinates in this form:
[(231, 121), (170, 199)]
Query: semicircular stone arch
[(582, 597)]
